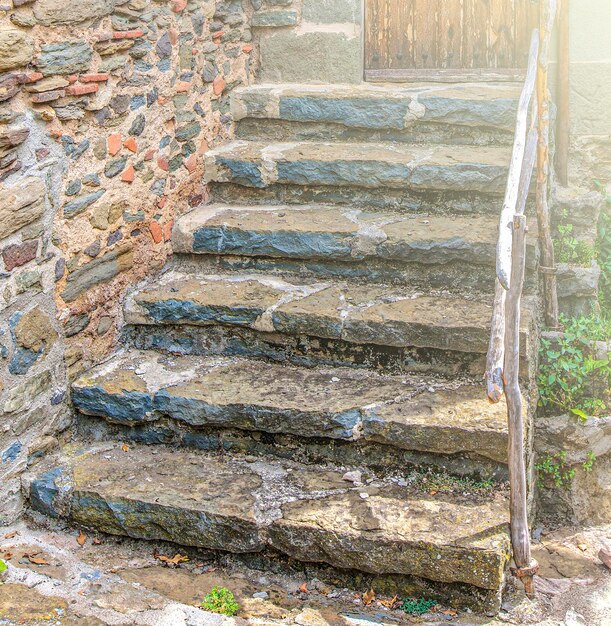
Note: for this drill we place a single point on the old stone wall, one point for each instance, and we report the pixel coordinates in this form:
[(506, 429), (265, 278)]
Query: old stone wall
[(106, 107)]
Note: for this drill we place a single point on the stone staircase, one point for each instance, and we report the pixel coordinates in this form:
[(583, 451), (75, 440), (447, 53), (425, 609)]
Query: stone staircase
[(318, 339)]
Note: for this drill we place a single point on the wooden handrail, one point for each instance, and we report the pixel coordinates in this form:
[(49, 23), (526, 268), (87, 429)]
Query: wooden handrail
[(520, 173), (531, 143)]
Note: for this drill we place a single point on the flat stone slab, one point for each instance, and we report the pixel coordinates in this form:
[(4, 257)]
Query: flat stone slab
[(378, 315), (307, 512), (337, 234), (369, 165), (339, 403), (378, 107)]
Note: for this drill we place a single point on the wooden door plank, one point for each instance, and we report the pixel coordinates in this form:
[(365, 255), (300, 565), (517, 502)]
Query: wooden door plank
[(525, 20), (401, 33), (502, 33), (476, 22), (449, 34), (373, 35), (426, 14)]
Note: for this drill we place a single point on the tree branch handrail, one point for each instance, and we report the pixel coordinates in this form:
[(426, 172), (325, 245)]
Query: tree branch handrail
[(531, 144), (516, 194)]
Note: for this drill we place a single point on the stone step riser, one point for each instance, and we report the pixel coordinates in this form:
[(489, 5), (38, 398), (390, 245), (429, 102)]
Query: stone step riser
[(454, 277), (306, 351), (377, 457), (402, 201), (371, 166), (433, 417), (307, 513), (252, 129), (479, 109)]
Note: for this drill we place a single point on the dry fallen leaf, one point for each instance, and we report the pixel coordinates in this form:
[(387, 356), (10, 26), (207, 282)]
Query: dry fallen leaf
[(37, 560), (97, 541), (369, 597), (125, 447), (450, 612), (175, 560), (11, 535), (81, 539), (304, 588), (389, 604), (583, 547)]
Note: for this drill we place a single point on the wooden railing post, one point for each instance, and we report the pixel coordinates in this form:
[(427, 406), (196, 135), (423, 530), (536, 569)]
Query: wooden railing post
[(526, 567), (548, 269)]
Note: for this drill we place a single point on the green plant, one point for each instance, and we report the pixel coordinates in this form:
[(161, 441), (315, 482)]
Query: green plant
[(568, 249), (220, 600), (588, 464), (556, 468), (569, 371), (417, 606), (2, 566)]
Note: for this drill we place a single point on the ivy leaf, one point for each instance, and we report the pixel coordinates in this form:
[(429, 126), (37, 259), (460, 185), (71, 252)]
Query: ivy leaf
[(582, 415)]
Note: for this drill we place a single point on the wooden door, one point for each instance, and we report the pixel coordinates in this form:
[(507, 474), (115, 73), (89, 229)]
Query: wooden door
[(448, 39)]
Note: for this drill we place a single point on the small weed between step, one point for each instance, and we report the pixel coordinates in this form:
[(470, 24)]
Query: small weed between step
[(417, 606), (441, 482), (220, 600)]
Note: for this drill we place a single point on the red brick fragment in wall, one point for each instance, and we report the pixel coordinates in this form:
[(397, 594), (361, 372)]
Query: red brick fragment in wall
[(149, 154), (100, 77), (129, 173), (247, 48), (218, 85), (127, 34), (163, 164), (131, 144), (156, 232), (183, 86), (191, 163), (81, 90), (178, 6), (114, 144), (33, 77), (19, 254)]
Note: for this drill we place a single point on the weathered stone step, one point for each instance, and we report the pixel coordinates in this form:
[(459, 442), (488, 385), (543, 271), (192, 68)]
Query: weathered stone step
[(433, 417), (464, 113), (440, 168), (309, 513), (375, 314), (439, 252)]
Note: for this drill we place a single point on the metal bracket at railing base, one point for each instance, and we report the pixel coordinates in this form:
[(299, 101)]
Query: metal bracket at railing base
[(548, 270), (524, 572)]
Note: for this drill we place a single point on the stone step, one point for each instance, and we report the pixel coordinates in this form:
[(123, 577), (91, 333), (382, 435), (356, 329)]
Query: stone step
[(416, 168), (463, 113), (434, 417), (349, 324), (458, 544), (426, 251)]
